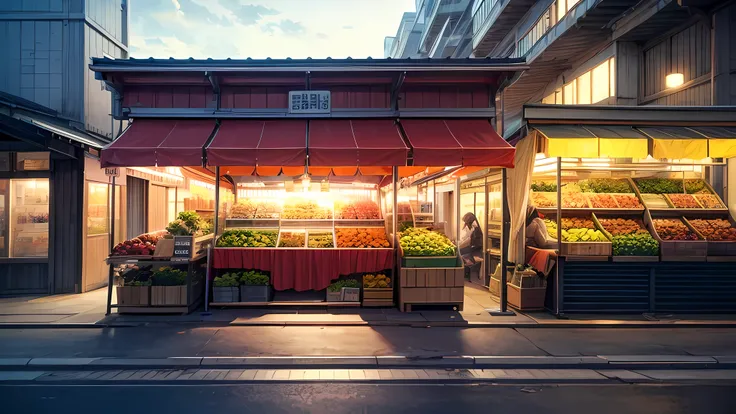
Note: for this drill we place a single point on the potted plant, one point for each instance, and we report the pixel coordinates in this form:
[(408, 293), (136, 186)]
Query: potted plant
[(255, 287), (135, 289), (334, 291), (350, 290), (526, 290), (226, 288), (168, 287), (190, 234)]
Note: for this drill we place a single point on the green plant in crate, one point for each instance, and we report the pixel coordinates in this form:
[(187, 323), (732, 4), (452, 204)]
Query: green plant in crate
[(635, 244), (544, 187), (344, 283), (168, 276), (659, 185), (139, 283), (418, 241), (227, 280), (179, 228), (254, 278), (605, 185), (248, 238), (695, 186)]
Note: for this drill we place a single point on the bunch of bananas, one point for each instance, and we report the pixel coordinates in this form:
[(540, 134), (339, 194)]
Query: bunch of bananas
[(376, 281)]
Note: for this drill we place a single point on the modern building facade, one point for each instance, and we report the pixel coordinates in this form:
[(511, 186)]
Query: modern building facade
[(54, 118)]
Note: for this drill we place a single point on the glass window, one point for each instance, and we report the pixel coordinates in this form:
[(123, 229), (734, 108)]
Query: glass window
[(561, 9), (583, 87), (4, 210), (172, 203), (32, 161), (120, 235), (29, 223), (97, 205), (5, 161), (569, 94), (601, 82)]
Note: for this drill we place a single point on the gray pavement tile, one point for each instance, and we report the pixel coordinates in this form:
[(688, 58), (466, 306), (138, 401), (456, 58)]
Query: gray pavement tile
[(296, 374), (356, 374), (185, 376), (385, 374), (420, 374), (726, 359), (215, 374), (326, 374), (341, 374), (623, 375), (622, 359), (537, 360), (397, 373), (200, 374), (20, 375), (60, 361), (410, 374), (174, 374), (311, 374), (264, 374), (109, 375), (124, 375), (14, 362), (371, 374), (281, 374), (233, 374), (247, 375), (136, 376), (690, 374)]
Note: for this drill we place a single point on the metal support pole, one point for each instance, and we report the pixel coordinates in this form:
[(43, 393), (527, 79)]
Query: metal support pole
[(394, 223), (110, 275), (558, 297), (505, 229), (210, 250)]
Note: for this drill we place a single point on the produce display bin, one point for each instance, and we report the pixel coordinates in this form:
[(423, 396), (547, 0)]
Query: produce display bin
[(430, 261)]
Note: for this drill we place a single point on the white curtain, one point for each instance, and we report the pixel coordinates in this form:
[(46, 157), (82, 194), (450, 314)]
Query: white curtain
[(518, 181)]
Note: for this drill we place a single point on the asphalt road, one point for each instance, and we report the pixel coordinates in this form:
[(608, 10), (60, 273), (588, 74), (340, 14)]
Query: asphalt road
[(356, 398), (172, 341)]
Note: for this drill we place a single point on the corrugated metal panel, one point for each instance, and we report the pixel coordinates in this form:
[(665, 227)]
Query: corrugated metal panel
[(98, 101), (444, 97), (605, 288), (686, 52), (201, 97), (108, 14), (65, 238), (24, 278), (695, 287), (361, 96), (696, 96)]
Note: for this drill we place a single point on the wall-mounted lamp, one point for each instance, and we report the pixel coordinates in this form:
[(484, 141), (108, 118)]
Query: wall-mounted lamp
[(674, 80)]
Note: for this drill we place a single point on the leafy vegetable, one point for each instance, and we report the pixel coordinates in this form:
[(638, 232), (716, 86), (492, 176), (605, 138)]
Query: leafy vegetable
[(347, 283), (544, 187), (695, 186), (659, 185), (635, 244), (254, 278), (248, 238), (179, 228), (167, 276), (604, 185), (227, 280)]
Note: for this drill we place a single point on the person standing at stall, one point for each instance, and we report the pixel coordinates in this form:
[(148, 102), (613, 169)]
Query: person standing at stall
[(471, 245), (536, 231)]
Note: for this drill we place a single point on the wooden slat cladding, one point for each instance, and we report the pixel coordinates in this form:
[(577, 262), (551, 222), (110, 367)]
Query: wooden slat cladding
[(465, 97), (687, 52), (169, 97), (66, 221), (361, 96)]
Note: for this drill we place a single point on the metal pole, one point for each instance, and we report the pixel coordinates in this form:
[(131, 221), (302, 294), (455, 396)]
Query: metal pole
[(559, 234), (112, 245), (395, 201), (214, 239), (505, 229)]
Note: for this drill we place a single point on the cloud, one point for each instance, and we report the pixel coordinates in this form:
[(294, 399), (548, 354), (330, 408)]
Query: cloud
[(250, 14), (322, 36), (348, 27), (177, 5), (286, 26), (153, 42), (197, 12)]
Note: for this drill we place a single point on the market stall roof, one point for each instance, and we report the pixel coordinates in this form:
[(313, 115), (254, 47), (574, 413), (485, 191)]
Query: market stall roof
[(461, 142), (586, 131), (159, 142), (264, 143), (368, 142)]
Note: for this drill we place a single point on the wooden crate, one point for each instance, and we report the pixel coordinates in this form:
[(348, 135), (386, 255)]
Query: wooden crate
[(431, 286), (378, 297), (715, 247), (678, 251), (168, 295), (586, 249), (134, 295), (526, 298)]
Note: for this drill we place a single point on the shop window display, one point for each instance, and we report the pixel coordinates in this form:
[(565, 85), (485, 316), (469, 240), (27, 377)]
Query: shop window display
[(97, 209), (29, 223)]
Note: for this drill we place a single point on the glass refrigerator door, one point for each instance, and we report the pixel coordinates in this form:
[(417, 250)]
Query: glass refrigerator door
[(30, 218)]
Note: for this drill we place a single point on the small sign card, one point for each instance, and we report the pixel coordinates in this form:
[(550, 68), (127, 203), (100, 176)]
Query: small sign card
[(309, 102), (182, 248)]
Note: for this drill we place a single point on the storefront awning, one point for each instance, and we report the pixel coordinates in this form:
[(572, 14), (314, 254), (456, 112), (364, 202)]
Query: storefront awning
[(267, 143), (616, 141), (569, 141), (466, 142), (721, 141), (676, 142), (159, 142), (369, 142)]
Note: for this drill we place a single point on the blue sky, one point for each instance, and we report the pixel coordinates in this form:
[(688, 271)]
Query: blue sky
[(263, 28)]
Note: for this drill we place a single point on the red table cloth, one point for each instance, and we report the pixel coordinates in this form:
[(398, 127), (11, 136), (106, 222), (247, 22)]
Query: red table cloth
[(304, 269)]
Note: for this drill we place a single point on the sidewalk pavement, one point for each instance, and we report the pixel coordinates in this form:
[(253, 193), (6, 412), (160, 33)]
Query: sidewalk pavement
[(88, 310)]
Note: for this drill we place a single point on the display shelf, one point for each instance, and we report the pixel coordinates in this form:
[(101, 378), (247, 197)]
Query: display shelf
[(306, 223), (242, 223), (360, 223), (571, 211)]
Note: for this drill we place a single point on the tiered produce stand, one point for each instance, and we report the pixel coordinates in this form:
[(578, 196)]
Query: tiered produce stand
[(620, 234)]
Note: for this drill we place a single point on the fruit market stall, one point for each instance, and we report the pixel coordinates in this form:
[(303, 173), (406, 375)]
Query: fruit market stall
[(639, 225)]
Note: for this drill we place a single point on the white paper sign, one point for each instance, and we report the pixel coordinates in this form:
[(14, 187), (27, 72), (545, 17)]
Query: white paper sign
[(309, 102)]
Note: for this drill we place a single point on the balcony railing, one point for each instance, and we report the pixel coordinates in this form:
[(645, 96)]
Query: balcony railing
[(482, 13)]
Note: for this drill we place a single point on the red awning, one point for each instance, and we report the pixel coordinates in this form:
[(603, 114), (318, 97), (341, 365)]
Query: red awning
[(369, 142), (249, 143), (466, 142), (159, 142)]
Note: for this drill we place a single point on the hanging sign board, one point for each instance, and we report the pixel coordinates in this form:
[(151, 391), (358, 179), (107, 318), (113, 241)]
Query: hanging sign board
[(309, 102), (324, 186), (112, 172)]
